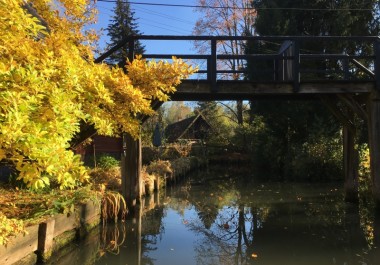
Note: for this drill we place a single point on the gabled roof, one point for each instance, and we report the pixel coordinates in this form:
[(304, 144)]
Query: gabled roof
[(176, 130)]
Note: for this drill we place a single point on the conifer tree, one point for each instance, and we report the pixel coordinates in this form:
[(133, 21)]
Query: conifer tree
[(122, 24)]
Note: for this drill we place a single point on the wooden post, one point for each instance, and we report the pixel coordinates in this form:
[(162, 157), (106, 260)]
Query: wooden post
[(213, 66), (45, 239), (350, 164), (131, 50), (346, 69), (374, 142), (350, 153), (376, 49), (296, 66), (131, 170)]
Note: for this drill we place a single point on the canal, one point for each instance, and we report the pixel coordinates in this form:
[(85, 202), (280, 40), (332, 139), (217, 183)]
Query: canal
[(221, 216)]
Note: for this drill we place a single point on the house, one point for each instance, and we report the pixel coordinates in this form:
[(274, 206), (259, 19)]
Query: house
[(97, 145), (195, 127)]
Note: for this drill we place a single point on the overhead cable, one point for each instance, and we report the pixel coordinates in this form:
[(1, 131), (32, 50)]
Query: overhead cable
[(242, 8)]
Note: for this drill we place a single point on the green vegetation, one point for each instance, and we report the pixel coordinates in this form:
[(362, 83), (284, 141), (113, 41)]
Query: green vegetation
[(107, 162), (52, 95), (123, 23)]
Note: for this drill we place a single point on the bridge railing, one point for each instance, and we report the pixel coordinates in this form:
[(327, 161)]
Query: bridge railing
[(291, 59)]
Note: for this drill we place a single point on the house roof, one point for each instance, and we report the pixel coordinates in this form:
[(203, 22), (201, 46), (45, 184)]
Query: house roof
[(176, 130)]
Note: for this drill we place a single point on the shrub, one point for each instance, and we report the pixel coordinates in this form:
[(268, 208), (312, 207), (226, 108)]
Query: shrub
[(108, 162)]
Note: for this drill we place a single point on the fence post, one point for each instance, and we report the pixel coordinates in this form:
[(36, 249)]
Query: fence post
[(296, 66), (212, 75), (376, 49), (276, 68), (131, 50), (346, 70)]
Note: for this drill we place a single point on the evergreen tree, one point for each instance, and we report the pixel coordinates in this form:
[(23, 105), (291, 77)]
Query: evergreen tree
[(317, 17), (302, 137), (123, 24)]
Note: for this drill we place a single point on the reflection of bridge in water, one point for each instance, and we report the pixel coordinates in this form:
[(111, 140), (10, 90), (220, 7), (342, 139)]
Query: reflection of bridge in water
[(289, 69)]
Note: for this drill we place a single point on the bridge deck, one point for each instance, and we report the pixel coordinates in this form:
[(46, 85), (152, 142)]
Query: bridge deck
[(234, 90), (289, 65)]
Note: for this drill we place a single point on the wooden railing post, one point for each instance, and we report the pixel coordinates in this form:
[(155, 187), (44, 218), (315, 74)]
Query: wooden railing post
[(296, 66), (131, 49), (276, 69), (346, 70), (376, 49), (212, 66)]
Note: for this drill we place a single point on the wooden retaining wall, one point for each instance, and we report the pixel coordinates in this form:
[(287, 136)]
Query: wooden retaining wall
[(45, 238)]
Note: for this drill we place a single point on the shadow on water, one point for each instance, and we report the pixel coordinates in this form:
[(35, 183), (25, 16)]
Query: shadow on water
[(218, 217)]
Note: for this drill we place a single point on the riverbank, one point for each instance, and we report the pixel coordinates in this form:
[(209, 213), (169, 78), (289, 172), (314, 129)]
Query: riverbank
[(40, 240), (51, 220)]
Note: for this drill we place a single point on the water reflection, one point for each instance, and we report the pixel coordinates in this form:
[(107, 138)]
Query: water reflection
[(229, 220)]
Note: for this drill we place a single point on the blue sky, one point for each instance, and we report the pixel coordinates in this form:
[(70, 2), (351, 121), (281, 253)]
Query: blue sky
[(157, 20)]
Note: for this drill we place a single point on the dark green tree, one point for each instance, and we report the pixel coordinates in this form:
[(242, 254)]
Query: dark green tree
[(302, 137), (222, 124), (317, 17), (122, 24)]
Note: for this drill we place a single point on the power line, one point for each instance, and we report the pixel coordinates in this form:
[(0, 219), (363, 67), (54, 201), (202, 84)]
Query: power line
[(148, 11), (160, 27), (170, 28), (243, 8)]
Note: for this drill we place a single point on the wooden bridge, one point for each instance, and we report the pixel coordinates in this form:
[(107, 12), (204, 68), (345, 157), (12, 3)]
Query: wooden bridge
[(283, 67)]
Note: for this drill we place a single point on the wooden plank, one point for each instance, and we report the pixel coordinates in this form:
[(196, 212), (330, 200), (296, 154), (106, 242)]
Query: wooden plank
[(64, 223), (20, 246), (237, 89), (336, 87)]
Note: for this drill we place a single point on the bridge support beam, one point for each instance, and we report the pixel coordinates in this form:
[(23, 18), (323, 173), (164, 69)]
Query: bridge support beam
[(374, 143), (350, 164), (350, 153), (131, 161)]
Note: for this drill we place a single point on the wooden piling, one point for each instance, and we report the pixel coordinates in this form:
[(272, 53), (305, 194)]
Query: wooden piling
[(350, 164), (45, 239), (131, 170), (374, 142)]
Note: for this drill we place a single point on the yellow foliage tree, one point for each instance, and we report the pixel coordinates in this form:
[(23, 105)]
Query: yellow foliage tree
[(49, 84)]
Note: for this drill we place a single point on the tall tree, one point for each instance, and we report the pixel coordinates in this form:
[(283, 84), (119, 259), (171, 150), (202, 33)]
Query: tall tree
[(177, 111), (226, 18), (296, 129), (123, 23), (317, 17), (222, 124), (320, 18)]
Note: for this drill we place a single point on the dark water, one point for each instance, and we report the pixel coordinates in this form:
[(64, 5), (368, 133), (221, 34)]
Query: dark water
[(231, 219)]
